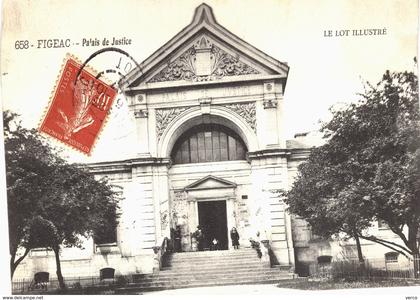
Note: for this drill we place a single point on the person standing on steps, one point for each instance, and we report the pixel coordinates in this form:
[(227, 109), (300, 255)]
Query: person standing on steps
[(215, 244), (199, 236), (177, 238), (234, 236)]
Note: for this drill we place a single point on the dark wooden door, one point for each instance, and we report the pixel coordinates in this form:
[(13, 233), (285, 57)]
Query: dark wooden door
[(213, 220)]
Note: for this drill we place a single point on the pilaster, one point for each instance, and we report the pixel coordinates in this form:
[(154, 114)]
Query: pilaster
[(270, 116), (269, 175), (161, 200), (138, 107)]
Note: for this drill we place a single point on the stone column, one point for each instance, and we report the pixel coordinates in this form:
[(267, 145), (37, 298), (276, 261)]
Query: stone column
[(138, 107), (230, 214), (192, 218), (152, 137), (160, 189), (269, 113), (258, 201), (281, 123), (289, 237), (268, 171), (130, 230)]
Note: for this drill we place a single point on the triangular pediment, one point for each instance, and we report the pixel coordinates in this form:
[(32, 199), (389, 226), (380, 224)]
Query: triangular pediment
[(210, 182), (205, 60), (204, 51)]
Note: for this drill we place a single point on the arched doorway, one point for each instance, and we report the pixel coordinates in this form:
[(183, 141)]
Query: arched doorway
[(204, 156), (194, 117), (208, 143)]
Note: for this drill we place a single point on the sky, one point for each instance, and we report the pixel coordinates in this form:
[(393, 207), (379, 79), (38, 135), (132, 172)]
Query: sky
[(324, 70)]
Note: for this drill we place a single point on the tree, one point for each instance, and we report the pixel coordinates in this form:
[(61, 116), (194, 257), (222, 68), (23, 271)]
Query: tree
[(77, 205), (51, 202), (27, 160), (369, 167), (323, 198)]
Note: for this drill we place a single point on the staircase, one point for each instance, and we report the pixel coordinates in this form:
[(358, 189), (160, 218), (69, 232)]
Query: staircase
[(208, 268)]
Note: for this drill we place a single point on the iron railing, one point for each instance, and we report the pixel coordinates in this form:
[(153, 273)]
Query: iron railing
[(370, 269), (25, 286)]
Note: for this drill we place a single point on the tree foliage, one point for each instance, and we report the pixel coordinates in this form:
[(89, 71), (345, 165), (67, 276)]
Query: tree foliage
[(51, 202), (369, 167)]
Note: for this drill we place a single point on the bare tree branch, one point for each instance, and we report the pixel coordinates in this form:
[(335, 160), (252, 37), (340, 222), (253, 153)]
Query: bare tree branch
[(388, 244)]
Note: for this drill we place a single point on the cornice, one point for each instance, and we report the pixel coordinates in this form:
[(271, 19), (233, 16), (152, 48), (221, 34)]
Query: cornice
[(126, 165), (280, 152), (191, 84)]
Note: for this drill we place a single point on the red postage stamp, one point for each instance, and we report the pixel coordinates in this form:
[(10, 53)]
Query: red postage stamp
[(79, 107)]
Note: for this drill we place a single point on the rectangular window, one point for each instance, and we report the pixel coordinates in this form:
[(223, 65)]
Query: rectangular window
[(209, 147), (201, 147), (178, 158), (208, 143), (232, 148), (391, 257), (240, 151), (194, 148), (216, 145), (382, 225), (223, 146), (185, 152), (105, 235)]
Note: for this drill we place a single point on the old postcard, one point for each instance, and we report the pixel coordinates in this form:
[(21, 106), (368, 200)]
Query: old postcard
[(210, 147)]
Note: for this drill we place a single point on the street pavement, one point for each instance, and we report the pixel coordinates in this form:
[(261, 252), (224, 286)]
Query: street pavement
[(227, 290), (271, 291)]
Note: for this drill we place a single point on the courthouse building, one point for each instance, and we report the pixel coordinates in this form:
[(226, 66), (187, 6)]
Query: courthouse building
[(211, 152)]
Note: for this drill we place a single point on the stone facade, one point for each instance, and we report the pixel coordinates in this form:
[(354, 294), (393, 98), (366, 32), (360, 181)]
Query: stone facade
[(204, 75)]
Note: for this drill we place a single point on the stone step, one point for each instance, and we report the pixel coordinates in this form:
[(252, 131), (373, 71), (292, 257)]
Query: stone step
[(258, 268), (203, 281), (167, 282), (211, 279), (231, 268), (138, 289), (221, 257), (213, 270), (220, 262), (217, 258), (219, 271), (208, 268), (217, 255), (211, 252), (210, 258), (190, 276)]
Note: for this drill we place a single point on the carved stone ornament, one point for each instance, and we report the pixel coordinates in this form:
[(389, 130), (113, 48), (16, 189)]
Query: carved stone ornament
[(141, 113), (164, 219), (179, 196), (270, 103), (164, 117), (221, 64), (246, 111)]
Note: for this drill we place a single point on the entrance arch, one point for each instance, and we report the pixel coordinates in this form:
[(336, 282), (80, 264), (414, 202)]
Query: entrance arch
[(210, 184), (194, 116), (208, 143)]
